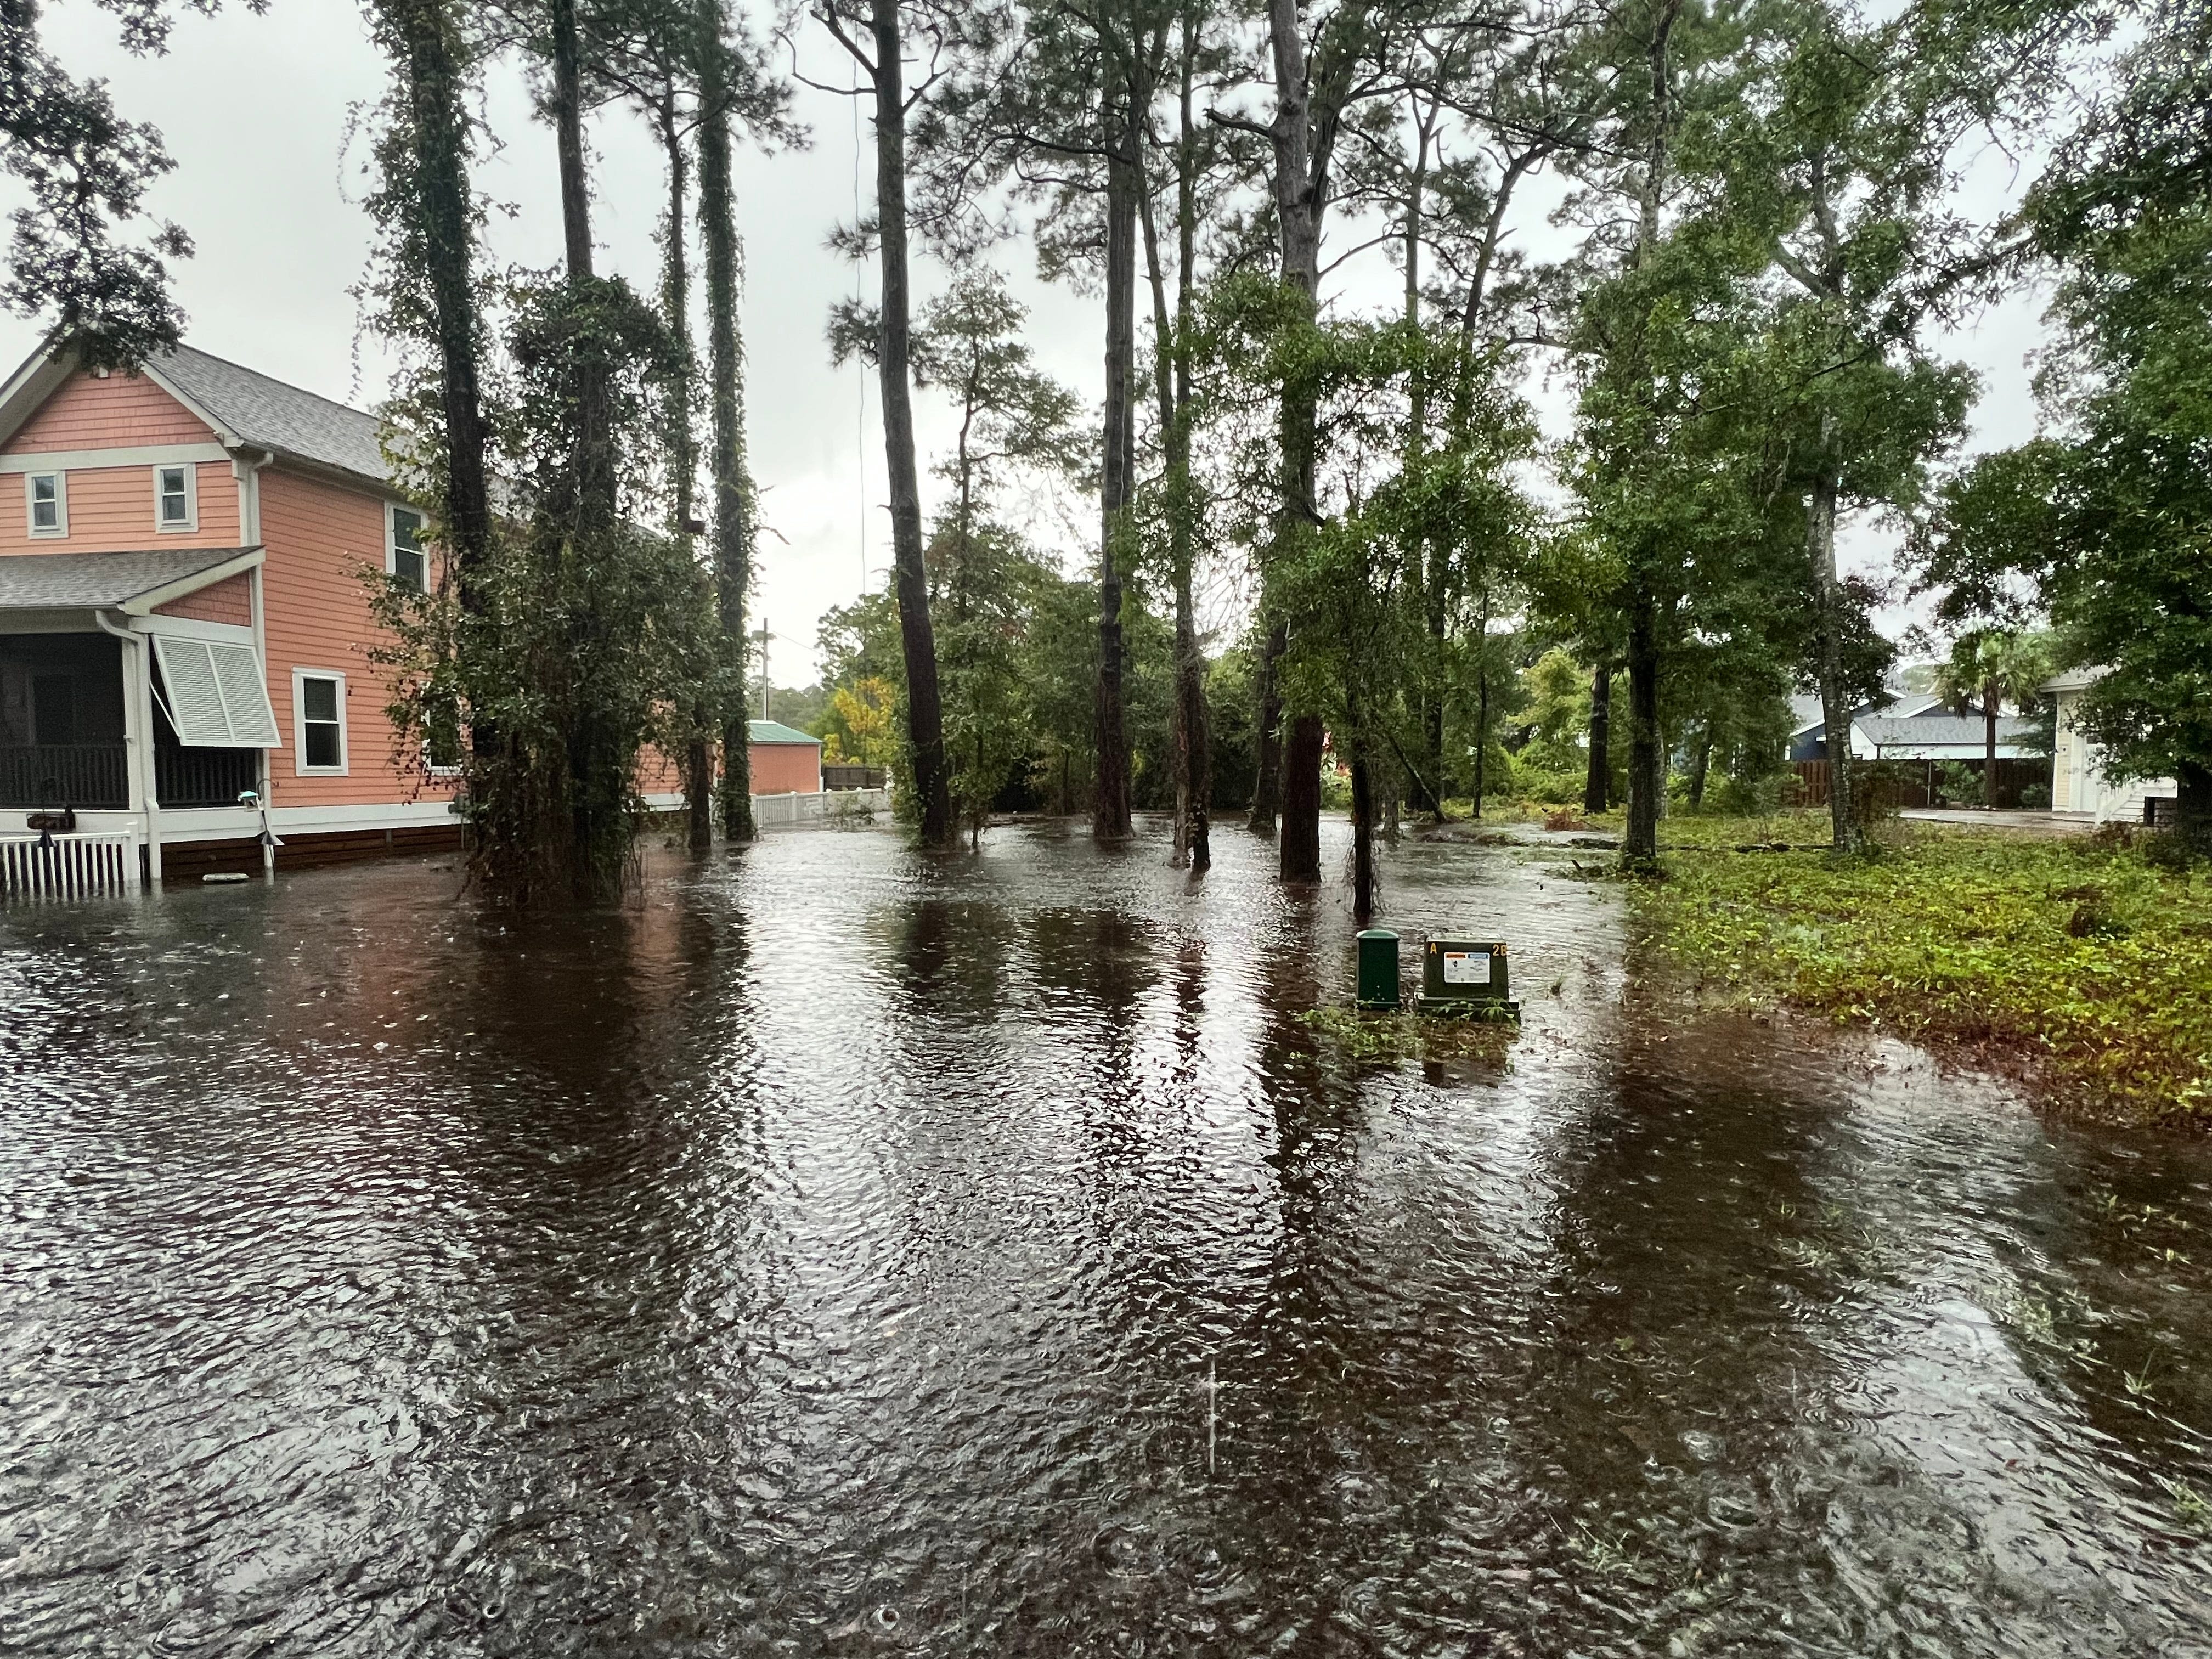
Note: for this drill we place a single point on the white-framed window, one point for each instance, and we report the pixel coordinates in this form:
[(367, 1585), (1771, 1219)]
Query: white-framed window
[(45, 502), (404, 554), (319, 701), (176, 497)]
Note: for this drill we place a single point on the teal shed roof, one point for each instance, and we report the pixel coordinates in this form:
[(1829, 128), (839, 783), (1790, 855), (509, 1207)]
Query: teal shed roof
[(777, 732)]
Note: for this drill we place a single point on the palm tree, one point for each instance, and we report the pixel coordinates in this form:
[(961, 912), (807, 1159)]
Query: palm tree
[(1998, 665)]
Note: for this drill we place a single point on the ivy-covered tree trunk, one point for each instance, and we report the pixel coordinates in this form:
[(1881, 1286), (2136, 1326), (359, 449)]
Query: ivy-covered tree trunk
[(1598, 785), (698, 756), (435, 82), (732, 522), (1109, 807), (594, 481), (924, 709)]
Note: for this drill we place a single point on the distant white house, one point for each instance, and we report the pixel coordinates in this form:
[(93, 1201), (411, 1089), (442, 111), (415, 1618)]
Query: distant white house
[(1909, 725), (2078, 783)]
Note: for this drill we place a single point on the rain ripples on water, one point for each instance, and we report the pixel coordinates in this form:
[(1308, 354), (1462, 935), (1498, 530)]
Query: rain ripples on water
[(843, 1252)]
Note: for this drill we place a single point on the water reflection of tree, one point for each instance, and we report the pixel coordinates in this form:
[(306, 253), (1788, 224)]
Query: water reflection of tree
[(589, 1375)]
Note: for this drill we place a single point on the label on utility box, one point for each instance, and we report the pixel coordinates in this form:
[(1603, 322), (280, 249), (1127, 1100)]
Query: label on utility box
[(1466, 967)]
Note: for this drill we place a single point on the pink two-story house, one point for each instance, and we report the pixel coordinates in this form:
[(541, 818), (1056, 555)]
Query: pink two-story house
[(183, 618)]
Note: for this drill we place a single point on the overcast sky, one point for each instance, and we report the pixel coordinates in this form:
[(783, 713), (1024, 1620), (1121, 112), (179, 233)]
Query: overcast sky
[(259, 114)]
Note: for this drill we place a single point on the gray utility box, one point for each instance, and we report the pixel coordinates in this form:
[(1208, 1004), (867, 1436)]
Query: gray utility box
[(1466, 976)]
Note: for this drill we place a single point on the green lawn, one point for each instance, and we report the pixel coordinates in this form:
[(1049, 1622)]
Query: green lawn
[(2085, 954)]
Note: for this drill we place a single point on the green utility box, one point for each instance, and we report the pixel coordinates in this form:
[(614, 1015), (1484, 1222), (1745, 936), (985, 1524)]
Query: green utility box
[(1378, 969), (1466, 976)]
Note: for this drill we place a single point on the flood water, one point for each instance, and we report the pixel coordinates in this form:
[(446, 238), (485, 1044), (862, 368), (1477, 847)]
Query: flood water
[(846, 1252)]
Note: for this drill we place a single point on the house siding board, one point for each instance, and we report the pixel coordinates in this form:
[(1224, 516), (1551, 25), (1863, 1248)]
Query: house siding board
[(230, 600), (110, 510), (779, 768), (123, 410), (315, 615)]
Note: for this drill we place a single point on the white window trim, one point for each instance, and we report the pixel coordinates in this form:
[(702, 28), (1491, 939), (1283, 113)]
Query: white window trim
[(60, 476), (299, 677), (391, 540), (191, 520)]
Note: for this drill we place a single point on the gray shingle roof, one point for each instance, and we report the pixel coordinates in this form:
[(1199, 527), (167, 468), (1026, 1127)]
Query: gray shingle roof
[(72, 581), (1887, 730), (270, 414)]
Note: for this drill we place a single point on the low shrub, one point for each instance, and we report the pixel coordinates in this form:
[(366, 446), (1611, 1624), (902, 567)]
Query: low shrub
[(2086, 953)]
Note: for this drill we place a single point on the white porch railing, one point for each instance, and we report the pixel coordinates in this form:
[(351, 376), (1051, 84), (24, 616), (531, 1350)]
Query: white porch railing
[(830, 807), (72, 866)]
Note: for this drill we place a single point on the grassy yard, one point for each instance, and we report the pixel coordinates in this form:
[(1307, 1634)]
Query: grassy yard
[(2083, 954)]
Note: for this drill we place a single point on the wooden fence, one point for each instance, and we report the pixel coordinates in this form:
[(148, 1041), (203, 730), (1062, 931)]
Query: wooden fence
[(69, 866), (1917, 783)]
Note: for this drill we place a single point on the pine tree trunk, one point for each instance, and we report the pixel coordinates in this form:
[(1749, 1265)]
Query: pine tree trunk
[(1192, 736), (1481, 738), (1989, 745), (1109, 807), (1639, 841), (698, 759), (1835, 710), (1298, 180), (1267, 738), (1363, 839), (594, 482), (435, 84), (1598, 788), (731, 523), (917, 640), (1301, 832), (1698, 769)]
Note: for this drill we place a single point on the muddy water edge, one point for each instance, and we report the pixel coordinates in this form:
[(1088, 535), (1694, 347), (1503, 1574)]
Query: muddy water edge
[(845, 1251)]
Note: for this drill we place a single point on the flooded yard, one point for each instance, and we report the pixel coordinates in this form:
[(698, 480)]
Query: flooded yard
[(845, 1251)]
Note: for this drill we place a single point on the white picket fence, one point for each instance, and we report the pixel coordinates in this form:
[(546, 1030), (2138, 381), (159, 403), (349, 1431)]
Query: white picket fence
[(790, 811), (70, 866)]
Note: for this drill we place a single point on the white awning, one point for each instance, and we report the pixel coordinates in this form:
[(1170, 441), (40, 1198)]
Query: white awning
[(218, 695)]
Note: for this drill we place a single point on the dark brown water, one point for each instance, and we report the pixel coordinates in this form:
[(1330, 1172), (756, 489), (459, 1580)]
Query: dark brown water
[(846, 1253)]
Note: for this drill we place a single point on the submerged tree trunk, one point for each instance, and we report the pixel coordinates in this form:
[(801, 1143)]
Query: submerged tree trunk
[(917, 638), (1171, 353), (1301, 151), (1301, 832), (698, 757), (1647, 769), (1598, 787), (1363, 838), (733, 498), (1109, 809), (1267, 738), (1481, 735)]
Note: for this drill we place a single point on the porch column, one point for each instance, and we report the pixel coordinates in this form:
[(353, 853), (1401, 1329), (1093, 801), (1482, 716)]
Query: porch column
[(138, 738)]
